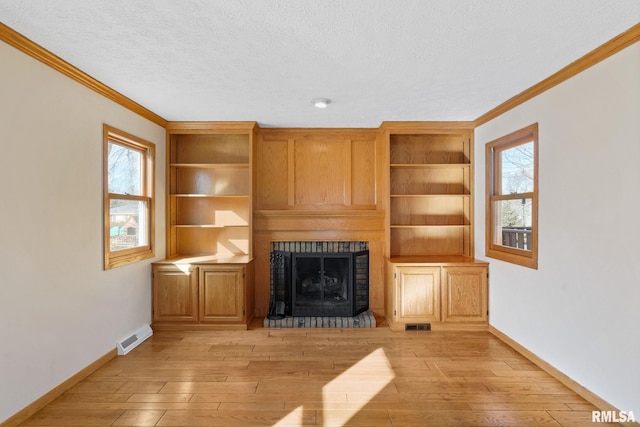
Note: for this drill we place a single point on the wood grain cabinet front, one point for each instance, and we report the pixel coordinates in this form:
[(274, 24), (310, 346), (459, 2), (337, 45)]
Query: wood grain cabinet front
[(418, 294), (464, 294), (448, 296), (221, 293), (203, 295), (175, 297)]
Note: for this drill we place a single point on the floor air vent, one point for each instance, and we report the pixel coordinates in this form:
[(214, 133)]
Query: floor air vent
[(417, 327), (129, 343)]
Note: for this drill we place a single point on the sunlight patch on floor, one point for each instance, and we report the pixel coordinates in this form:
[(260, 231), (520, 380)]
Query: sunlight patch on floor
[(294, 418), (367, 378)]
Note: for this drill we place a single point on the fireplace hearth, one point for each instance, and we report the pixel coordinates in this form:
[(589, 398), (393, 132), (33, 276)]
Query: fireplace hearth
[(319, 279)]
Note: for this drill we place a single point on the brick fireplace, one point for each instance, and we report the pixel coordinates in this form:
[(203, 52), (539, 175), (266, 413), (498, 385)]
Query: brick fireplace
[(319, 279)]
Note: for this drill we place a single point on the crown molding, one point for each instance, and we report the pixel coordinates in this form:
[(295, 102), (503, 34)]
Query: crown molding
[(211, 127), (36, 51), (613, 46)]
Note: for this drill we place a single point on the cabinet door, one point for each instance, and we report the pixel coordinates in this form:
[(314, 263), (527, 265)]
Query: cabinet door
[(418, 294), (221, 293), (174, 293), (465, 294)]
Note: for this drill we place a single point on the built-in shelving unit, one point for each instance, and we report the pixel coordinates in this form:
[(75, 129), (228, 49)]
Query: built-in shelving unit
[(432, 276), (406, 189), (209, 182), (207, 280), (430, 191)]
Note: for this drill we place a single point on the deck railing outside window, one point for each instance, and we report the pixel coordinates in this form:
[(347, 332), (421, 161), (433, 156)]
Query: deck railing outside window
[(517, 237)]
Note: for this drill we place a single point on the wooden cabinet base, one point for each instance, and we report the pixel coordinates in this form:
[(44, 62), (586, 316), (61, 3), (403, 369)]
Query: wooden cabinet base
[(203, 293), (440, 326), (437, 293), (163, 326)]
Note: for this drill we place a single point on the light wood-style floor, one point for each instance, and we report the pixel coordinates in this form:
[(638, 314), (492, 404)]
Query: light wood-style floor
[(325, 377)]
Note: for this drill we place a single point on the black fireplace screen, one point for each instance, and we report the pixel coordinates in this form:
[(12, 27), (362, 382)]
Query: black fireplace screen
[(319, 283)]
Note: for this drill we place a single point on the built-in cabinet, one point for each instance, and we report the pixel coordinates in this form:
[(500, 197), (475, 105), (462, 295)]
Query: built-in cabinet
[(203, 293), (431, 273), (465, 293), (444, 295), (220, 292), (175, 293), (415, 296), (405, 188), (207, 278)]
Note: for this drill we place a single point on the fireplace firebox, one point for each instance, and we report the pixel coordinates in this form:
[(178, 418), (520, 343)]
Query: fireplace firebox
[(319, 283)]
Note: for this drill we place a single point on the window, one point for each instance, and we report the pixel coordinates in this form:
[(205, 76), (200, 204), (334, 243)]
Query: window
[(512, 197), (128, 198)]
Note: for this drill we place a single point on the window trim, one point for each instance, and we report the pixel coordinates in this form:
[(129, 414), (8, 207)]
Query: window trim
[(492, 165), (126, 256)]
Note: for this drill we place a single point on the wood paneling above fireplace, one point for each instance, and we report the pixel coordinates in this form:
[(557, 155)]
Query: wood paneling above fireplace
[(314, 185), (316, 169)]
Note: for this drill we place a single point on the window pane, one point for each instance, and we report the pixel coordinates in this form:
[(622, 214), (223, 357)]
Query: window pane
[(125, 170), (513, 223), (517, 169), (127, 224)]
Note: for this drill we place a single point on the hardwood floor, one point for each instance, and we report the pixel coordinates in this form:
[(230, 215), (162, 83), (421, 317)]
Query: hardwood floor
[(325, 377)]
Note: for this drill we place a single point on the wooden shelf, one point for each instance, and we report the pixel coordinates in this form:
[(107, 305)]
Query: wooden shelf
[(427, 225), (210, 165), (436, 260), (430, 193), (207, 225), (429, 147), (427, 196), (430, 180), (430, 240), (213, 181), (431, 165), (180, 259), (212, 196), (209, 211), (204, 148)]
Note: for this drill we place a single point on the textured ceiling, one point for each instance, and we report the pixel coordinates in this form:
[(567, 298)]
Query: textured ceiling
[(265, 60)]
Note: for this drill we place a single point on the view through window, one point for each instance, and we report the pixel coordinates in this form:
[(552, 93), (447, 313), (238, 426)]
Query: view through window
[(129, 165), (512, 197)]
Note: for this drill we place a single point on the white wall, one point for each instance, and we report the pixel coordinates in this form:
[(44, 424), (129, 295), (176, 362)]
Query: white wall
[(59, 310), (580, 311)]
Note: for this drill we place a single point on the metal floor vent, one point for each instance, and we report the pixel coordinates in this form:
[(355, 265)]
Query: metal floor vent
[(131, 342), (417, 327)]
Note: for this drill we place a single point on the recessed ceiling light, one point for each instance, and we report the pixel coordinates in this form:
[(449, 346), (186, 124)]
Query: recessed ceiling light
[(321, 102)]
